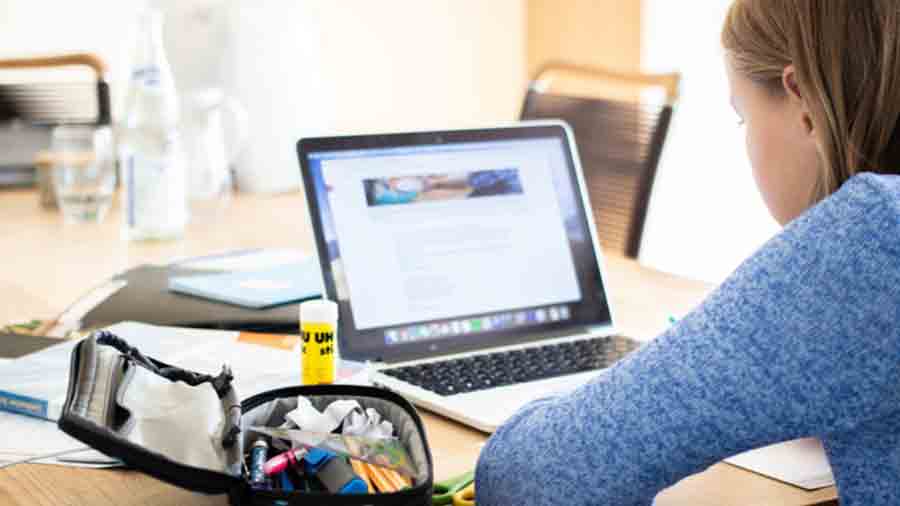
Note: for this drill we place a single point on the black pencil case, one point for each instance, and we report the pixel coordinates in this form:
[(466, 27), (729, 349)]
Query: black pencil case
[(110, 407)]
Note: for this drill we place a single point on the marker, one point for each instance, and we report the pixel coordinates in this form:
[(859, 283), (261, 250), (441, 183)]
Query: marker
[(335, 473), (285, 460)]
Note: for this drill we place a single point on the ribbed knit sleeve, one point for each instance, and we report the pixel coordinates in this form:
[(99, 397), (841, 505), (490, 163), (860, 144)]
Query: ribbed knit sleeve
[(803, 339)]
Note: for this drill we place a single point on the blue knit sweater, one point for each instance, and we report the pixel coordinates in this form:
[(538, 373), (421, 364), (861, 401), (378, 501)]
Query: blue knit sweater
[(803, 339)]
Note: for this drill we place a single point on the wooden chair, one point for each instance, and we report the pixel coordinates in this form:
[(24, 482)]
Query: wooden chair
[(37, 106), (56, 103), (620, 122)]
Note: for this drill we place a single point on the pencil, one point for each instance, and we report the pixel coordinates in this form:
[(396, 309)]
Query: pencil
[(397, 478), (391, 477), (360, 471), (388, 478), (383, 485)]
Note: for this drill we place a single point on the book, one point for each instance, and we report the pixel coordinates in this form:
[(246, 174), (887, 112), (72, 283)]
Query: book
[(257, 289), (36, 384)]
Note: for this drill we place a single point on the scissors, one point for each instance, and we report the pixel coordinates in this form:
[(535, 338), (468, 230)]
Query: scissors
[(456, 491), (465, 497)]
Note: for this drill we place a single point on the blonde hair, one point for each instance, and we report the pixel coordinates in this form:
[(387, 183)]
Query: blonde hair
[(846, 55)]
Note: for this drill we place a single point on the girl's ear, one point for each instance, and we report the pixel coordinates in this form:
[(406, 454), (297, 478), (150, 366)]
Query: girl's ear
[(792, 89)]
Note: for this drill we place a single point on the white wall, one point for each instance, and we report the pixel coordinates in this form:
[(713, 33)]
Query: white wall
[(194, 38), (318, 67), (706, 214), (307, 67), (36, 27)]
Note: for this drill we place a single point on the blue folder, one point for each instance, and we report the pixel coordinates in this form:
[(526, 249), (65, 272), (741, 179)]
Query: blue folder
[(255, 289)]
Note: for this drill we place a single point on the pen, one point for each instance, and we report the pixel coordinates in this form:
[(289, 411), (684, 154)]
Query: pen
[(286, 484)]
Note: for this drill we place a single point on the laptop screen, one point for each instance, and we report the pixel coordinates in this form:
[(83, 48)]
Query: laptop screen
[(456, 243)]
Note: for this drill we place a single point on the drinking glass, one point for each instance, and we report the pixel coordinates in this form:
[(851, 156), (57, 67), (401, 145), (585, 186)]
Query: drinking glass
[(84, 171)]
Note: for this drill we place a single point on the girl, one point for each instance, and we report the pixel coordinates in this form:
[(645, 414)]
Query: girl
[(803, 339)]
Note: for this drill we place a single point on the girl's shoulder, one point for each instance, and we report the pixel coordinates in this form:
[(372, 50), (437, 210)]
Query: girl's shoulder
[(872, 187), (858, 225), (865, 201)]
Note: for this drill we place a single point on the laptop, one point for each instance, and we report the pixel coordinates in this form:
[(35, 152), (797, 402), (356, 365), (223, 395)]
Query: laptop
[(464, 263)]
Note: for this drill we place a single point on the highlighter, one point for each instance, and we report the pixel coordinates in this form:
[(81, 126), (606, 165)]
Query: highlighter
[(333, 472), (282, 461)]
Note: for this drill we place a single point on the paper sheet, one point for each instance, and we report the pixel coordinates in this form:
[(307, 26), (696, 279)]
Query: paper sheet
[(25, 437), (801, 463), (368, 424), (308, 418)]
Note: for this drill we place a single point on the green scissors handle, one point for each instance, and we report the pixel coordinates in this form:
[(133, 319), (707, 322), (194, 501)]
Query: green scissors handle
[(444, 490)]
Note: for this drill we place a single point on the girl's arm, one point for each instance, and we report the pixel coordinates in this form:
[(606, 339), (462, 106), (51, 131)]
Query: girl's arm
[(802, 340)]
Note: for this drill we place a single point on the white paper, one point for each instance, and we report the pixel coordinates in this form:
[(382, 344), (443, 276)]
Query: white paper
[(25, 437), (801, 462), (308, 418), (368, 424)]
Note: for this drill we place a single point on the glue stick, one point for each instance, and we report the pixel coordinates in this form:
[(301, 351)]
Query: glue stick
[(258, 453), (318, 329)]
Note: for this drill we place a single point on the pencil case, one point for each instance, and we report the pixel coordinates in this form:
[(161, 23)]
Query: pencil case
[(191, 430)]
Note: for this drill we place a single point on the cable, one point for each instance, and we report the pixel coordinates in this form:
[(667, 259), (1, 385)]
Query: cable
[(42, 457)]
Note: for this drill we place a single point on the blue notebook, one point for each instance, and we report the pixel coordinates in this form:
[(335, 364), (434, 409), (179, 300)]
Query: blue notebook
[(255, 289)]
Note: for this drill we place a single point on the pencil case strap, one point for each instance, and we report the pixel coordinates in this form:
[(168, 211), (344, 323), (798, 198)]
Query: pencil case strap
[(220, 383)]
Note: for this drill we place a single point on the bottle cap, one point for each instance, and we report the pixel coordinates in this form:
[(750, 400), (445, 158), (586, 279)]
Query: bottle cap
[(319, 310)]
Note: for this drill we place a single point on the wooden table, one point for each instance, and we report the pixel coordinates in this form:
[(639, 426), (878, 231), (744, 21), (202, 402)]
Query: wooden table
[(47, 265)]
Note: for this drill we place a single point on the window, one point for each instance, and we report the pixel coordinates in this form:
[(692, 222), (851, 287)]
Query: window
[(706, 214)]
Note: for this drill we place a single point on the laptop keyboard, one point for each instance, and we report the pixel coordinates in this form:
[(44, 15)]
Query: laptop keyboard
[(491, 370)]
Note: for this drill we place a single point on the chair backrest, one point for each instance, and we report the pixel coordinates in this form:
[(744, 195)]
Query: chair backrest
[(54, 103), (620, 123)]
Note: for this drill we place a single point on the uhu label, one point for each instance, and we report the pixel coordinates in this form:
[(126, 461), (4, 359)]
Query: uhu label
[(318, 351)]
